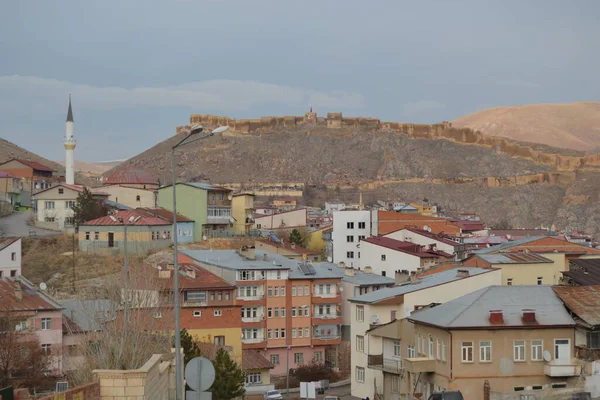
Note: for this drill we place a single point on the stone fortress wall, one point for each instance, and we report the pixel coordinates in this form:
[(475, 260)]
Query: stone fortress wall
[(444, 130)]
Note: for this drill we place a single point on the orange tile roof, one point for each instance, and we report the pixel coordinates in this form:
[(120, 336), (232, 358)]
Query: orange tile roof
[(31, 299), (162, 213), (125, 215), (252, 360)]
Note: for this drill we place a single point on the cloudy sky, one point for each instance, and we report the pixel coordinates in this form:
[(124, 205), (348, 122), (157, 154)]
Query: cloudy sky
[(138, 68)]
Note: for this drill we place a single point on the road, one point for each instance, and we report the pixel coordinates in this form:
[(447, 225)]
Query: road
[(16, 225), (343, 392)]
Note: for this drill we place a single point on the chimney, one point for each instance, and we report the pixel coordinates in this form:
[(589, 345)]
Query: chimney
[(413, 276), (496, 317), (265, 257), (462, 273), (18, 292), (349, 272), (368, 269), (248, 252), (342, 265), (529, 316), (191, 273), (402, 276)]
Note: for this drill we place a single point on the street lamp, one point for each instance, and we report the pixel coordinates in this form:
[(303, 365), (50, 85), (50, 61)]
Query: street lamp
[(194, 130), (131, 220)]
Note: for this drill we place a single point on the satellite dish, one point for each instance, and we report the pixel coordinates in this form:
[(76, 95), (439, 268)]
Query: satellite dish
[(231, 219), (230, 197), (204, 237), (374, 319), (425, 228), (547, 356), (329, 259), (159, 268), (43, 286)]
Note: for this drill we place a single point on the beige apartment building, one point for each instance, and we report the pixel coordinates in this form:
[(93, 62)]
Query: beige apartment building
[(519, 340)]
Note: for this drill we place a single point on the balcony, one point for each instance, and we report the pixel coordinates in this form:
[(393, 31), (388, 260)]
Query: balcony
[(254, 343), (253, 319), (560, 368), (377, 361), (320, 319), (247, 300), (195, 303), (218, 215), (419, 364), (326, 298), (326, 340)]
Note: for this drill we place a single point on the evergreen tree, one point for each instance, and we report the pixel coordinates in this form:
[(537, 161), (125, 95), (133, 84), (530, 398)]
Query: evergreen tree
[(87, 207), (229, 378), (296, 237), (189, 346)]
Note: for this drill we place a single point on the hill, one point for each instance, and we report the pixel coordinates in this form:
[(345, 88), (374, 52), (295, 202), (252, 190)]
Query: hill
[(96, 168), (459, 169), (574, 126)]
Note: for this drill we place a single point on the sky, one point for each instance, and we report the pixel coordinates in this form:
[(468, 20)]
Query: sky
[(136, 69)]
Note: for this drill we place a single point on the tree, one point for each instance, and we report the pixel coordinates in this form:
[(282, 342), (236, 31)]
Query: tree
[(87, 207), (314, 371), (229, 378), (296, 237), (189, 346)]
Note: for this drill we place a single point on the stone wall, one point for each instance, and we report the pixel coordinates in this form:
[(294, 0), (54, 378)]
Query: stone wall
[(91, 391), (444, 130)]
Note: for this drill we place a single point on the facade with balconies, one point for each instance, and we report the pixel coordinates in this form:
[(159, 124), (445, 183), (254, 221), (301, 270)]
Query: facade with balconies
[(242, 211)]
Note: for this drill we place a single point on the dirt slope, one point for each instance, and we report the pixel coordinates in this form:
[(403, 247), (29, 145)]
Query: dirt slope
[(573, 126)]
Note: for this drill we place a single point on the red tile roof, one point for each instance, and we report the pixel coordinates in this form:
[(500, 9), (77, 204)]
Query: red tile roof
[(405, 247), (144, 220), (193, 276), (583, 301), (136, 176), (253, 360), (162, 213), (35, 165), (77, 188), (31, 299), (434, 236), (469, 226)]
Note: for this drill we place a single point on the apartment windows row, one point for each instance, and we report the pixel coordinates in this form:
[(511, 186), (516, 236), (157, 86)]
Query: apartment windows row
[(253, 378), (540, 281), (428, 346), (197, 314), (278, 333), (301, 311), (300, 333), (350, 238), (88, 235), (248, 292), (324, 289), (361, 225), (250, 312), (519, 350), (251, 333), (326, 310), (253, 275), (298, 290), (161, 235), (275, 291), (276, 312), (350, 254)]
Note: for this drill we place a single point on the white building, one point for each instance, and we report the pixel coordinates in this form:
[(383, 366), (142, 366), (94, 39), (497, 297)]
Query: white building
[(386, 255), (385, 305), (331, 207), (426, 238), (349, 228), (10, 257)]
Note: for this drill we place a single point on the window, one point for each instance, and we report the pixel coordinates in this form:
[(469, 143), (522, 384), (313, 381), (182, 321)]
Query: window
[(275, 359), (360, 343), (253, 378), (318, 356), (306, 290), (269, 333), (537, 387), (395, 384), (438, 349), (278, 274), (196, 296), (246, 276), (466, 351), (349, 225), (349, 254), (392, 313), (219, 296), (410, 351), (282, 312), (13, 256), (360, 313), (13, 273), (540, 280), (270, 291), (430, 348), (509, 282), (226, 295), (87, 236), (61, 191), (269, 312), (306, 333), (299, 358), (96, 235), (519, 388), (69, 204), (299, 332), (397, 349), (282, 291), (276, 291), (360, 374), (485, 351), (249, 312), (46, 324), (218, 313), (276, 312), (212, 296), (293, 290), (46, 348), (519, 350), (361, 225), (49, 219), (69, 221), (443, 351), (361, 237), (383, 257), (350, 239), (293, 333), (293, 311), (220, 340), (197, 313), (306, 312), (559, 386), (282, 333), (49, 205), (537, 349)]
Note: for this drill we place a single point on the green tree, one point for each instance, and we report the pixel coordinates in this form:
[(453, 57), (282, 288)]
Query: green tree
[(229, 378), (87, 207), (189, 346), (296, 237)]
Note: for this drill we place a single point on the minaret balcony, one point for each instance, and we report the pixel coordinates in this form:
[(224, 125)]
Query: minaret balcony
[(70, 141)]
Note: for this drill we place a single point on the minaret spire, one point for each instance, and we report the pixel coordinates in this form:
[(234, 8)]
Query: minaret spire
[(70, 144), (70, 112)]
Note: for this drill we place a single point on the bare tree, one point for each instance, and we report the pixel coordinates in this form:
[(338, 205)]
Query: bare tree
[(344, 363)]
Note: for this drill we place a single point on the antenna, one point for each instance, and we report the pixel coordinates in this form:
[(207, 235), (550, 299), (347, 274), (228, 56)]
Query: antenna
[(329, 259), (229, 197)]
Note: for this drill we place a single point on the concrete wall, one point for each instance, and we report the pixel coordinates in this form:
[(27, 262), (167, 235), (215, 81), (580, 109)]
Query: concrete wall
[(139, 239), (129, 196), (191, 202), (371, 255), (340, 231), (7, 264), (290, 219)]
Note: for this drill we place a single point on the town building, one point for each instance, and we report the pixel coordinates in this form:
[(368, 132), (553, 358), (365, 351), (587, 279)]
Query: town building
[(10, 256), (390, 221), (54, 205), (258, 373), (262, 209), (10, 188), (207, 205), (286, 304), (333, 206), (316, 242), (582, 272), (516, 340), (284, 220), (34, 176), (274, 245), (106, 235), (132, 196), (426, 238), (132, 177), (349, 224), (242, 210), (284, 203), (185, 226), (425, 208), (383, 306)]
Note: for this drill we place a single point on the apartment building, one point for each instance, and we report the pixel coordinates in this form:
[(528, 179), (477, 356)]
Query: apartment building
[(33, 176), (286, 304), (518, 339), (385, 305), (242, 210), (289, 250), (10, 257), (349, 228), (285, 219), (426, 238)]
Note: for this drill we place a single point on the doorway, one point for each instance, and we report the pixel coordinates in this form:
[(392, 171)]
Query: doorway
[(111, 239), (562, 350)]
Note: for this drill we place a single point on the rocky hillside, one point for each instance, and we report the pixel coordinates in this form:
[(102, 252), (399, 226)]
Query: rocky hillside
[(573, 126)]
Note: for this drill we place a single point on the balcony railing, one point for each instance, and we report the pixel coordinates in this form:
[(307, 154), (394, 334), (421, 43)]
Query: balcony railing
[(332, 336), (253, 319), (253, 340), (559, 368), (195, 303), (326, 316), (377, 361), (218, 215), (251, 298), (325, 295)]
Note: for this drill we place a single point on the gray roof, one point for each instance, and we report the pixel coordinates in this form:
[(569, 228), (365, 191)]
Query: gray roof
[(70, 112), (424, 283), (362, 278), (473, 310), (116, 205), (514, 258), (199, 185), (88, 314), (508, 245)]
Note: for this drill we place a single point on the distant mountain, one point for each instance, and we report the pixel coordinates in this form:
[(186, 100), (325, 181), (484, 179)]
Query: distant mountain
[(574, 126), (96, 168)]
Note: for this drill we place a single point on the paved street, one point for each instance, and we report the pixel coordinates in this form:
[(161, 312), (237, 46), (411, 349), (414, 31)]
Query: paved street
[(343, 392), (16, 225)]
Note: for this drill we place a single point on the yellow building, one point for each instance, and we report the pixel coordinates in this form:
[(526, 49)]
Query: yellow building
[(426, 209), (315, 239), (132, 196), (242, 207), (258, 373)]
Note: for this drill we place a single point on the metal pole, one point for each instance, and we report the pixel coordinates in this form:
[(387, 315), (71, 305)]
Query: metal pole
[(126, 290), (75, 231), (178, 366), (287, 371)]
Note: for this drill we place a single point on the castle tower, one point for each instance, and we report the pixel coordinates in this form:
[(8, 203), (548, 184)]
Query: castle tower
[(70, 148), (310, 118)]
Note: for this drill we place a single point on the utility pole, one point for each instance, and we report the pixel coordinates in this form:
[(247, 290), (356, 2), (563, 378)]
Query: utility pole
[(74, 232)]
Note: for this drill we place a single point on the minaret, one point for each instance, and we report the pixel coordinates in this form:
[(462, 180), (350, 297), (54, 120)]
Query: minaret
[(70, 148)]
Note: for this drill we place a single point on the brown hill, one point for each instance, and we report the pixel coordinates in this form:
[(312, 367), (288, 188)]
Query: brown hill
[(573, 126), (96, 168)]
